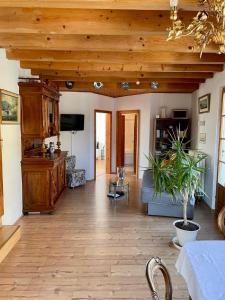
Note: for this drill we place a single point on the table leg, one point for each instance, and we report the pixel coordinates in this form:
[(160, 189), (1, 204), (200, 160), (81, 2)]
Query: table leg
[(114, 198)]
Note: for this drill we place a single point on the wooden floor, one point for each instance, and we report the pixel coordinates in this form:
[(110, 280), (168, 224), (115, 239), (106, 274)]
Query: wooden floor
[(100, 167), (92, 249)]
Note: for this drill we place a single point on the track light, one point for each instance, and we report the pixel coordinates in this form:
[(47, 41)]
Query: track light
[(125, 86), (98, 85), (69, 84), (154, 85)]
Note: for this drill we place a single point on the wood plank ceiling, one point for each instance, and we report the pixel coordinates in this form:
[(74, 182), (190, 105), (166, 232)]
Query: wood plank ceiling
[(106, 40)]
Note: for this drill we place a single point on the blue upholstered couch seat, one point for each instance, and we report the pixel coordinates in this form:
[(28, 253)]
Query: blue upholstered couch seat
[(163, 205)]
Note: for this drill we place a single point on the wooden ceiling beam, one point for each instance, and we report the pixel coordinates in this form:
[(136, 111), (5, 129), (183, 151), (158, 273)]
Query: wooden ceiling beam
[(102, 74), (133, 86), (98, 67), (140, 43), (100, 4), (121, 79), (96, 22), (117, 91), (116, 57)]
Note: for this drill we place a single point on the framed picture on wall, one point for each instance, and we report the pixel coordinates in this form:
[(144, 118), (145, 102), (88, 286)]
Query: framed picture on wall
[(10, 107), (204, 104)]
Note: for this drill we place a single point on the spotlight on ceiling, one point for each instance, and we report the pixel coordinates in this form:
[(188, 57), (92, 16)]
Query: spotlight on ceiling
[(69, 84), (98, 85), (154, 85), (138, 82), (125, 86)]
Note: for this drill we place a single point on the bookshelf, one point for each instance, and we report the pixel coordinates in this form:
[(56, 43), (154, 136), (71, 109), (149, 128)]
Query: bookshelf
[(162, 128)]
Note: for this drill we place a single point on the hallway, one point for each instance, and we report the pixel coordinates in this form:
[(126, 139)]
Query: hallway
[(92, 249)]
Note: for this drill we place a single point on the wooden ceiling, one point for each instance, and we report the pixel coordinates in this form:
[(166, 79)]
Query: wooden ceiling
[(107, 40)]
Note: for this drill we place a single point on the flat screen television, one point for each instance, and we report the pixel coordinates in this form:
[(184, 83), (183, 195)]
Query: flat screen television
[(69, 122)]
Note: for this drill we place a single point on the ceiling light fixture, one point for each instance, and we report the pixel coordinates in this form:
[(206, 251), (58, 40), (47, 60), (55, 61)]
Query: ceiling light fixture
[(98, 85), (206, 27), (69, 84), (125, 86), (138, 82), (154, 85)]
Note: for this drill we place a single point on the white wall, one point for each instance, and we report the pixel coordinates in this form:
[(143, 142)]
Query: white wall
[(83, 141), (11, 151), (101, 128), (212, 120), (149, 105)]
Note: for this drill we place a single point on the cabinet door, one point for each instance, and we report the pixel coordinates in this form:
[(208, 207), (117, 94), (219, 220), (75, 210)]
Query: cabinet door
[(36, 190), (54, 185), (45, 116), (31, 121), (61, 176), (56, 117)]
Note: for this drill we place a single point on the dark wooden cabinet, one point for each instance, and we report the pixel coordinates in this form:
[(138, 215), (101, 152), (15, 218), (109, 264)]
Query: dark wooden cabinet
[(43, 174)]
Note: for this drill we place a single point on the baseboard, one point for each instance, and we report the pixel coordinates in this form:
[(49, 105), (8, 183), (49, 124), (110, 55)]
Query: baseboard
[(9, 236)]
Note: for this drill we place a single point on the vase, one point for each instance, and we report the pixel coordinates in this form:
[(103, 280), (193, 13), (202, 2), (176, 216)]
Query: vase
[(121, 173)]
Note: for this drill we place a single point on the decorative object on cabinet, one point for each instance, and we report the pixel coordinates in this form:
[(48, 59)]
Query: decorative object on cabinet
[(43, 175), (162, 130), (74, 177), (163, 112), (204, 104), (51, 148), (10, 107)]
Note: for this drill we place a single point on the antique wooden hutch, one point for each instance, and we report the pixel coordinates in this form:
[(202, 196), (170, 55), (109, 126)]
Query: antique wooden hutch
[(43, 174)]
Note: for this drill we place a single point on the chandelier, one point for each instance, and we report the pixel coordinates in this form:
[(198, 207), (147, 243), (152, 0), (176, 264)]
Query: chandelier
[(208, 26)]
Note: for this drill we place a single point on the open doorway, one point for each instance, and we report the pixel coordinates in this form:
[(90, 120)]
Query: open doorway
[(127, 145), (103, 142)]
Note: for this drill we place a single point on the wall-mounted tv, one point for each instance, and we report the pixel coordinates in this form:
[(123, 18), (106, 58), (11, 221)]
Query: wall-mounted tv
[(69, 122)]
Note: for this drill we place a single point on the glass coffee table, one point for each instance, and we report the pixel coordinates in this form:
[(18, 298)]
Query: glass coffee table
[(119, 190)]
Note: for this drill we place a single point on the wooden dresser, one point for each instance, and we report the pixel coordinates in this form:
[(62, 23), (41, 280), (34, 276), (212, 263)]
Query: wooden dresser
[(43, 174)]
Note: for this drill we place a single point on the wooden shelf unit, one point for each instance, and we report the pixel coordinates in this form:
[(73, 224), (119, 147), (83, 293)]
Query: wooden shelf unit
[(162, 129), (43, 174)]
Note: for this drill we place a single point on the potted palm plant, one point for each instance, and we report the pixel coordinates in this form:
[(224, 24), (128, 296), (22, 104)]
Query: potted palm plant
[(178, 173)]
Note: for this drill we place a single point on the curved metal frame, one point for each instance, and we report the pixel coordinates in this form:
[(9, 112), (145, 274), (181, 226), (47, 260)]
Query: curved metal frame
[(154, 264)]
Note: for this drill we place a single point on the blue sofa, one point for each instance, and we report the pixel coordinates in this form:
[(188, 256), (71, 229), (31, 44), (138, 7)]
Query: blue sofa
[(162, 205)]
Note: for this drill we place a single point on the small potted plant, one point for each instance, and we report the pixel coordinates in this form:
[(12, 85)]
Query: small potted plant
[(178, 173)]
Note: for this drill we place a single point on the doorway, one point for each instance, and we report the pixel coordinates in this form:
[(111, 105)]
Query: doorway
[(127, 140), (102, 142)]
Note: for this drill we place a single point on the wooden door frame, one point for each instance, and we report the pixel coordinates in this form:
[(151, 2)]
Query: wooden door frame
[(1, 180), (137, 112), (110, 140), (218, 153)]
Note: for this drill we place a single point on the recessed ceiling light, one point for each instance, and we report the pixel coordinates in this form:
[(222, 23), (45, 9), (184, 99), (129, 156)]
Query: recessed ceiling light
[(69, 84), (138, 82), (125, 85), (154, 85), (98, 85)]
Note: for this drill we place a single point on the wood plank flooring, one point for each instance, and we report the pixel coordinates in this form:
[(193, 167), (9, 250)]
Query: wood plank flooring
[(92, 249)]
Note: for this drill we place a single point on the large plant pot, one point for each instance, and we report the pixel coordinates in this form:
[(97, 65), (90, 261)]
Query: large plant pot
[(184, 235)]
